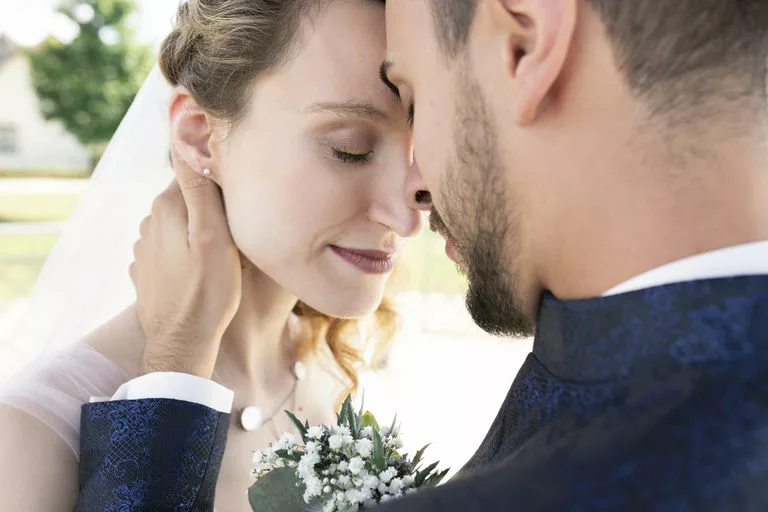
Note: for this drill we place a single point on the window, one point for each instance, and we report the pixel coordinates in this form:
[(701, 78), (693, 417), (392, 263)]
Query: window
[(7, 139)]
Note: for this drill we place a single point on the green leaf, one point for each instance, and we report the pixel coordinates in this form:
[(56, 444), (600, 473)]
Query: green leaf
[(418, 456), (394, 422), (435, 479), (369, 420), (379, 462), (422, 475), (299, 426), (277, 492)]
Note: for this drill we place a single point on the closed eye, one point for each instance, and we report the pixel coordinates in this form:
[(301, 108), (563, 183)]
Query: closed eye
[(351, 158)]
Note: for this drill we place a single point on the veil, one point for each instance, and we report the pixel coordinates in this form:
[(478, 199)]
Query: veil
[(85, 282)]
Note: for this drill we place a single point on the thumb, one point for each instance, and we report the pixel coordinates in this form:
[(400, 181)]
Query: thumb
[(202, 196)]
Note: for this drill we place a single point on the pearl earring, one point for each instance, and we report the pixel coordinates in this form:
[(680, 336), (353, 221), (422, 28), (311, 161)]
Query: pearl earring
[(207, 172)]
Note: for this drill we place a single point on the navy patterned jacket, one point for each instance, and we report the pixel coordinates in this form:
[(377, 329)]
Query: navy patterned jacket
[(653, 400)]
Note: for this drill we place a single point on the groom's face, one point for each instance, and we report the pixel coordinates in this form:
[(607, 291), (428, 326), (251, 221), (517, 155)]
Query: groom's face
[(457, 151)]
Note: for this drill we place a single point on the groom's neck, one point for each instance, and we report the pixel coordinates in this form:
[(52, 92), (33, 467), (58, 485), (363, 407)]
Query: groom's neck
[(657, 203)]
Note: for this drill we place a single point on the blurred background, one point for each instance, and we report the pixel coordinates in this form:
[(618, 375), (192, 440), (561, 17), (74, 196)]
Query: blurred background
[(68, 72)]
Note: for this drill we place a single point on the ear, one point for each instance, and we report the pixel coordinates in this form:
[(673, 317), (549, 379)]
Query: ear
[(537, 37), (191, 131)]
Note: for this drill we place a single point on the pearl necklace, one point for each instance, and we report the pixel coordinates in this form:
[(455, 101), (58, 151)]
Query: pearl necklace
[(251, 417)]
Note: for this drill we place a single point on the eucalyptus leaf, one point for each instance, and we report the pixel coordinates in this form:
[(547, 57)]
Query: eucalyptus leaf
[(277, 492)]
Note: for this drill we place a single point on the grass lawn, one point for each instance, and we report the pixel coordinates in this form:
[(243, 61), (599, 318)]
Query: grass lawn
[(36, 207), (21, 258)]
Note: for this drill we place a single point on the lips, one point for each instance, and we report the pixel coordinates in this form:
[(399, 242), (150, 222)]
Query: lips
[(369, 261), (450, 250)]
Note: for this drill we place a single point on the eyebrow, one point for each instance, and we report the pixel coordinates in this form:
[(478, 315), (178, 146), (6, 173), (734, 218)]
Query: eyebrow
[(383, 70), (351, 109)]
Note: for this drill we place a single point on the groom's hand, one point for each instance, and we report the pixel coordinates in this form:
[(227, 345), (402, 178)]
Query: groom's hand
[(187, 275)]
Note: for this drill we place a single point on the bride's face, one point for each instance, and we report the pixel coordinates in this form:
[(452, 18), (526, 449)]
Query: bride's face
[(314, 175)]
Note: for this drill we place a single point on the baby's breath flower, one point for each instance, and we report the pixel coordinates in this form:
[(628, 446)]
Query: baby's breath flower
[(364, 447), (335, 441), (356, 465)]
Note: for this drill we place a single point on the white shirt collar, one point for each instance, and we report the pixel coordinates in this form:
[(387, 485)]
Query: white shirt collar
[(740, 260)]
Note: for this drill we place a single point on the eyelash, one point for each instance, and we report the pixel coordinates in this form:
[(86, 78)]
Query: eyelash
[(351, 158)]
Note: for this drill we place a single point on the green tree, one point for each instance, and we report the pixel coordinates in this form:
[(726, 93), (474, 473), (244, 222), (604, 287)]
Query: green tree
[(89, 83)]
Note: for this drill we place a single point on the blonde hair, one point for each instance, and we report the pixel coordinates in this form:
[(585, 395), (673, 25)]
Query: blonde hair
[(216, 49)]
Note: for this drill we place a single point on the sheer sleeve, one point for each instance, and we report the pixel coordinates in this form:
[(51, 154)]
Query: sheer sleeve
[(54, 388)]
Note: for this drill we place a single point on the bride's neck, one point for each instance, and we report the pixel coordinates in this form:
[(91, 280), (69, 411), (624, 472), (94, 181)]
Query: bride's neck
[(254, 350)]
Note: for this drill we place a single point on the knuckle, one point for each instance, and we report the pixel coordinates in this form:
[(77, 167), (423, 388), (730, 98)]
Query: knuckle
[(203, 238), (194, 184)]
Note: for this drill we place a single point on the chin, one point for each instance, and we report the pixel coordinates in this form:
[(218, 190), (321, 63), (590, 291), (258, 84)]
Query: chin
[(345, 305)]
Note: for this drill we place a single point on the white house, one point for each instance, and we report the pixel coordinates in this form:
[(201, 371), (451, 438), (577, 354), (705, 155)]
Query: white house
[(27, 141)]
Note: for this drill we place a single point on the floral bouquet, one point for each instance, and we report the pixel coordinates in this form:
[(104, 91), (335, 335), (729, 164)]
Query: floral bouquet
[(348, 467)]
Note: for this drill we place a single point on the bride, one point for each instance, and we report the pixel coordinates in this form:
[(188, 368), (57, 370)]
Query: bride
[(281, 106)]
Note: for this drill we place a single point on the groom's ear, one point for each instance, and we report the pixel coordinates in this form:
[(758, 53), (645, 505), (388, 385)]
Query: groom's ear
[(537, 36), (191, 130)]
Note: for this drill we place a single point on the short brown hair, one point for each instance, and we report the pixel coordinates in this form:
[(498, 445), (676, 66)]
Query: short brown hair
[(676, 54)]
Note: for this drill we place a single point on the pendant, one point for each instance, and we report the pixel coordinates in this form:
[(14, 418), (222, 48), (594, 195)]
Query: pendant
[(251, 418), (299, 371)]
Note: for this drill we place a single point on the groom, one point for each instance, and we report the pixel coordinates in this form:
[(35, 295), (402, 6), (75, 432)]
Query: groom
[(599, 170)]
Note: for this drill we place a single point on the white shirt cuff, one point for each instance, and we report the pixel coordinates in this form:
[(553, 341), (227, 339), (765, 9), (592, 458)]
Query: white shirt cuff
[(176, 386)]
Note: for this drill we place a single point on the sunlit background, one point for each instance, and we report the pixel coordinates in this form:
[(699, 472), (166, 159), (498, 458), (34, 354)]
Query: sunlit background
[(445, 378)]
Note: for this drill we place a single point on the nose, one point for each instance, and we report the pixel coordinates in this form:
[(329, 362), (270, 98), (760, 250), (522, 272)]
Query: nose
[(401, 201), (417, 194)]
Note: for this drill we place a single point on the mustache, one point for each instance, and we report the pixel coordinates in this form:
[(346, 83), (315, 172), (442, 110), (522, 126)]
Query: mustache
[(437, 224)]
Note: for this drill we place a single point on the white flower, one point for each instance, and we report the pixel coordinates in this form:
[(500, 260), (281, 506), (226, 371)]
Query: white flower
[(335, 442), (357, 496), (315, 432), (367, 432), (371, 482), (384, 431), (287, 441), (396, 485), (306, 468), (310, 447), (343, 465), (364, 447), (345, 481), (356, 465), (409, 480), (397, 442), (341, 430), (347, 440), (330, 506), (314, 489), (388, 474), (385, 498)]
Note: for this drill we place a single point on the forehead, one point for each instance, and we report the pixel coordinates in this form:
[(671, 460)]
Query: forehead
[(338, 54), (409, 25)]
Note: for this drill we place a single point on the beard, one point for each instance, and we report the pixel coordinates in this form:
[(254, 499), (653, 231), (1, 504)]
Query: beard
[(479, 217)]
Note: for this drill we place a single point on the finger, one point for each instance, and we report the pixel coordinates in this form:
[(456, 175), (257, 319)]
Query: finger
[(144, 226), (168, 229), (205, 207)]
